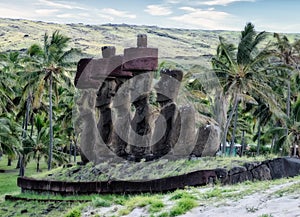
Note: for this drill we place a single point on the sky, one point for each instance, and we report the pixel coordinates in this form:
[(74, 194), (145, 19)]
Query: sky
[(282, 16)]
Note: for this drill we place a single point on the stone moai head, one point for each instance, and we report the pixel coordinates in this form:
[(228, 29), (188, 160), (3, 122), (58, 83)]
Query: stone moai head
[(141, 40), (108, 51), (168, 86)]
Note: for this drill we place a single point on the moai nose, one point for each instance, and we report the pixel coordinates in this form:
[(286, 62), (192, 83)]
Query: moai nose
[(141, 40), (108, 51)]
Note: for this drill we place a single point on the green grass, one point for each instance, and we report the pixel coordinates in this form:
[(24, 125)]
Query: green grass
[(156, 205), (153, 202), (182, 206), (143, 170)]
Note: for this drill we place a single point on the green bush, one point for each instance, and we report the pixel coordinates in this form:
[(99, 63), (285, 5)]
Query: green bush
[(182, 206), (74, 213), (99, 202)]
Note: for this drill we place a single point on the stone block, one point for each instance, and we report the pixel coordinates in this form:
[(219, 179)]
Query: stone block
[(83, 78), (141, 40), (236, 170), (261, 172), (108, 51), (140, 59), (240, 177), (92, 72)]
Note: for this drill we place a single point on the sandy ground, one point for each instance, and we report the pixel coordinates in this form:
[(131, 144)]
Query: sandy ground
[(258, 204)]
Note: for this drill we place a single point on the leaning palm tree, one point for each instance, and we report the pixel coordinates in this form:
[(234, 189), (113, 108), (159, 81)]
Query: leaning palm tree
[(10, 141), (52, 61), (292, 138), (244, 71), (10, 65)]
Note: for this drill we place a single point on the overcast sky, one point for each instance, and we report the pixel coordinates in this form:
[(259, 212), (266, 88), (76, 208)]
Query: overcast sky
[(269, 15)]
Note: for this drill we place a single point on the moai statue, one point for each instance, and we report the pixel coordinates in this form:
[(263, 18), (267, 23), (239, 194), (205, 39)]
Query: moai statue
[(167, 91), (98, 78), (140, 61), (104, 98), (183, 137), (208, 141)]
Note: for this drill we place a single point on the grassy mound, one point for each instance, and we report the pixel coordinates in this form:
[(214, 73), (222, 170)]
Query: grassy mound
[(142, 170)]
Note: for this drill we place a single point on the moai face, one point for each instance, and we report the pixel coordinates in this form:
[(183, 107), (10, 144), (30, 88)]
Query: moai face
[(168, 86)]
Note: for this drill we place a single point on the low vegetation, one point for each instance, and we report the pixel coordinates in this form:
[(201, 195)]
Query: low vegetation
[(144, 170)]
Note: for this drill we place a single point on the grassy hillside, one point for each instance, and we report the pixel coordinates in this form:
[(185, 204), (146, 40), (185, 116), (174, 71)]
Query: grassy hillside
[(183, 45)]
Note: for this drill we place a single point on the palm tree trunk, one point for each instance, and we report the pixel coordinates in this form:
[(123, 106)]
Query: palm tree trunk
[(38, 164), (9, 161), (228, 123), (258, 139), (70, 151), (25, 124), (75, 152), (50, 123), (234, 130), (243, 143), (22, 166)]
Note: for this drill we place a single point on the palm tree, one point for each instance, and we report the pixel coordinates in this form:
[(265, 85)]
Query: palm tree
[(10, 64), (244, 72), (35, 146), (10, 142), (52, 61), (292, 138)]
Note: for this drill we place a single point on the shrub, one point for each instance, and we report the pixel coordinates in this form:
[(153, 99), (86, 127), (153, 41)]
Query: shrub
[(99, 202), (182, 206), (74, 213)]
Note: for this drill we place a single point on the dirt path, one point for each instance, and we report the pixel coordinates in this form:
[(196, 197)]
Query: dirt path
[(264, 203)]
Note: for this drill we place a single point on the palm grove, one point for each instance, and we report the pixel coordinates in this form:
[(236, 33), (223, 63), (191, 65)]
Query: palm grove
[(256, 101)]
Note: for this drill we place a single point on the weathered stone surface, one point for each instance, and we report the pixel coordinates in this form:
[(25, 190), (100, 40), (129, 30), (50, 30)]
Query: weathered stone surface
[(140, 59), (141, 40), (141, 128), (236, 170), (103, 102), (277, 168), (163, 146), (167, 90), (140, 136), (251, 165), (108, 51), (122, 121), (82, 78), (284, 167), (240, 177), (222, 174), (208, 141), (183, 138), (168, 86), (261, 172), (92, 72), (106, 93), (292, 166)]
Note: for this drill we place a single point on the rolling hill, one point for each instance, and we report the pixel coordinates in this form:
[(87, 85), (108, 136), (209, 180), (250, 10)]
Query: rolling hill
[(183, 45)]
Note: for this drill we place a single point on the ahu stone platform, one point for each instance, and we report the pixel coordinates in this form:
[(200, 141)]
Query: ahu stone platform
[(266, 170)]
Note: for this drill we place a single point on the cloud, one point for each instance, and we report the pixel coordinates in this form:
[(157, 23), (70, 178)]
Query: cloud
[(15, 11), (205, 19), (158, 10), (223, 2), (206, 2), (116, 13), (46, 12), (61, 5)]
